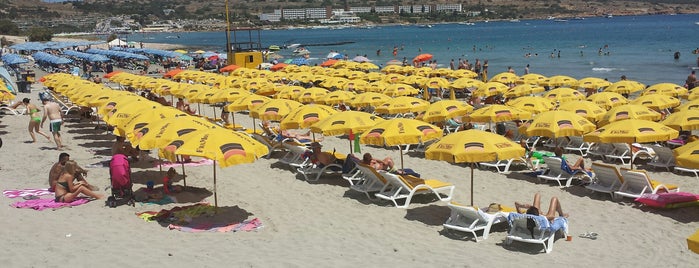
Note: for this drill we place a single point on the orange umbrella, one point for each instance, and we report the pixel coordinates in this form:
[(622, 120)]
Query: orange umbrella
[(422, 57), (172, 73), (229, 68), (278, 66), (328, 63), (109, 75)]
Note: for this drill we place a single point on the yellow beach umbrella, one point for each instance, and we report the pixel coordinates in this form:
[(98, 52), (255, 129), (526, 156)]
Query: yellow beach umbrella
[(161, 133), (305, 116), (505, 78), (228, 95), (473, 146), (393, 69), (464, 83), (687, 155), (683, 120), (313, 94), (554, 124), (404, 104), (445, 109), (629, 111), (632, 131), (496, 113), (247, 103), (135, 125), (106, 106), (532, 104), (462, 73), (560, 81), (399, 89), (625, 87), (693, 94), (523, 90), (608, 100), (122, 112), (274, 109), (564, 94), (490, 89), (223, 146), (690, 105), (669, 89), (400, 131), (338, 97), (586, 109), (368, 99), (355, 85), (377, 86), (532, 79), (288, 92), (657, 101), (592, 83), (343, 122), (435, 82)]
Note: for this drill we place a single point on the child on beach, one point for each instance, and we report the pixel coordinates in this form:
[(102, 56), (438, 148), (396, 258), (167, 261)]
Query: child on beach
[(167, 182)]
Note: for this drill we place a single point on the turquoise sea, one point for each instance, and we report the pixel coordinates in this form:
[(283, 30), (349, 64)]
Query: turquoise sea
[(640, 47)]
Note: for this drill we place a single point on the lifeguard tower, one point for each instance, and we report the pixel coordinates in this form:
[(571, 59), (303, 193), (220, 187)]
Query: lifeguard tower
[(244, 47)]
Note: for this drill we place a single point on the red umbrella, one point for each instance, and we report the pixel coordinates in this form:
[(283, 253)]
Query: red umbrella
[(172, 73), (278, 66), (422, 57), (214, 57), (109, 75), (328, 63), (229, 68)]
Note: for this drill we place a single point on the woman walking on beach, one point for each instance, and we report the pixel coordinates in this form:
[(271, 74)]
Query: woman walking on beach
[(34, 119)]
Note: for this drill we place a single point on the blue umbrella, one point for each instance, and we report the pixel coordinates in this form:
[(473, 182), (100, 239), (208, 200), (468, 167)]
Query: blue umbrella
[(46, 57), (299, 61), (11, 59), (85, 56)]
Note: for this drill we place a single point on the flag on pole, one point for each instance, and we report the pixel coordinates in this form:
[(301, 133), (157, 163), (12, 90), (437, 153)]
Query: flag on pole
[(357, 149)]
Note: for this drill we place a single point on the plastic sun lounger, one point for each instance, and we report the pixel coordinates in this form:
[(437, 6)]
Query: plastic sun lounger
[(688, 170), (405, 187), (577, 144), (541, 233), (638, 182), (607, 179), (663, 158), (600, 150), (622, 152), (371, 181), (469, 219), (556, 173)]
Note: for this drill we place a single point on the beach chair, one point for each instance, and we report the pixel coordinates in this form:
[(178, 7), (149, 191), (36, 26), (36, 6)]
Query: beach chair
[(371, 181), (406, 186), (469, 219), (576, 144), (688, 170), (535, 229), (607, 179), (313, 172), (557, 173), (600, 150), (638, 182), (663, 158), (621, 152), (294, 156), (503, 166), (350, 170), (11, 111), (272, 145), (66, 105)]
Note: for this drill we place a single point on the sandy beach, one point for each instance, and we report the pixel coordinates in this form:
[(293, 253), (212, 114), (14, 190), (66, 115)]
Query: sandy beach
[(315, 224)]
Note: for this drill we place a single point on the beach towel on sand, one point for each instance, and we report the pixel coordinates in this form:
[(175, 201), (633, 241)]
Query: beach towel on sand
[(197, 218), (26, 192), (41, 204)]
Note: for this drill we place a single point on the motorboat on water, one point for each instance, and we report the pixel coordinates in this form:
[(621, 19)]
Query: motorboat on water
[(301, 51)]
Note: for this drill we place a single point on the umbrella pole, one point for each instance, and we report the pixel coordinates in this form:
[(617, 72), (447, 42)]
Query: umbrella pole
[(233, 119), (214, 107), (350, 140), (184, 175), (199, 108), (452, 94), (471, 184), (215, 196), (253, 126), (401, 156), (632, 155)]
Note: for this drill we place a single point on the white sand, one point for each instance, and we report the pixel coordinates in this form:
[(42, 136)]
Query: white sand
[(321, 224)]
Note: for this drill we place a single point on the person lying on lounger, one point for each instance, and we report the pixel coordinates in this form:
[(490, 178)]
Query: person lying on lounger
[(378, 164), (579, 164), (319, 157), (67, 191), (535, 208)]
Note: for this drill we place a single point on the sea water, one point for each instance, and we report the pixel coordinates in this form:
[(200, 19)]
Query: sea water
[(640, 47)]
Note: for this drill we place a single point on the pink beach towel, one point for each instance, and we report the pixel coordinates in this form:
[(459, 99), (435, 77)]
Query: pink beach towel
[(248, 225), (203, 162), (41, 204), (26, 192), (668, 200)]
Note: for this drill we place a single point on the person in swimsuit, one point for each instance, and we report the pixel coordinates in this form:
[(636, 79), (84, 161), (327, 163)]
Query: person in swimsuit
[(385, 164), (57, 169), (34, 119), (66, 191), (52, 112), (535, 208)]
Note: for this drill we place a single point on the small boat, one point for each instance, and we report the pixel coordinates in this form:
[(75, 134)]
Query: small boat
[(551, 18), (293, 45), (425, 26), (274, 47), (301, 51), (560, 20), (609, 16), (466, 23), (514, 20)]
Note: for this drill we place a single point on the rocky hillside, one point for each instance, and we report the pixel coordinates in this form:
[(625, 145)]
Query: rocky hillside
[(197, 9)]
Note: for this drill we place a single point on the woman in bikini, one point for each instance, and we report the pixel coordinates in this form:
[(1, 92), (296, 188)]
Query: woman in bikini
[(535, 208), (34, 119), (66, 191)]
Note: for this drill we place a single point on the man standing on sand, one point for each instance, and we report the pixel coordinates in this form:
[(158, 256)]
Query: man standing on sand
[(53, 112)]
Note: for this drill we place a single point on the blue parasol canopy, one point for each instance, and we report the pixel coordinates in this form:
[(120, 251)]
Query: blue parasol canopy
[(117, 54), (85, 56), (46, 57), (12, 59)]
